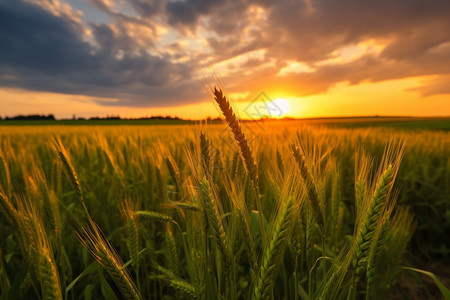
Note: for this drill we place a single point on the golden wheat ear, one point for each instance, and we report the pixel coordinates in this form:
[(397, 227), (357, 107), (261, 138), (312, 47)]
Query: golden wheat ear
[(68, 168), (95, 241), (246, 152), (239, 135)]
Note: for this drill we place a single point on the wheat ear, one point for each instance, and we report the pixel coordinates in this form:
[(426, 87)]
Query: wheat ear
[(205, 153), (369, 224), (8, 209), (127, 210), (313, 195), (246, 152), (95, 241), (239, 135), (51, 289), (174, 173), (185, 206), (70, 171), (274, 252), (5, 176), (214, 222), (178, 284), (172, 253), (154, 216), (372, 216)]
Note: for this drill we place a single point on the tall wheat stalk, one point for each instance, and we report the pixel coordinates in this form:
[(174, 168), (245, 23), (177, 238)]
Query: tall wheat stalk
[(373, 209), (246, 152), (274, 252), (313, 194), (97, 244)]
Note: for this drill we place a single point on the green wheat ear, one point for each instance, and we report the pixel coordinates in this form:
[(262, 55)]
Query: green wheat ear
[(214, 221), (313, 195), (178, 284), (372, 216), (172, 253), (369, 224), (154, 216), (274, 252), (127, 210), (205, 153)]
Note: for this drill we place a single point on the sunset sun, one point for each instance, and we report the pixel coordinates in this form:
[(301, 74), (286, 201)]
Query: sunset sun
[(282, 107)]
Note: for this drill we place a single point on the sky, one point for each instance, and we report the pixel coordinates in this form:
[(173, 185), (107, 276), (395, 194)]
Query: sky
[(137, 58)]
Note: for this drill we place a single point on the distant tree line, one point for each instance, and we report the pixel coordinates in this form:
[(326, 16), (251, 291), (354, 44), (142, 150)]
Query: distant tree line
[(30, 117), (142, 118), (74, 118), (52, 117)]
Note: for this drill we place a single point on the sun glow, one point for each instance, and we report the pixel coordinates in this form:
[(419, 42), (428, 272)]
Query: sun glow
[(283, 107)]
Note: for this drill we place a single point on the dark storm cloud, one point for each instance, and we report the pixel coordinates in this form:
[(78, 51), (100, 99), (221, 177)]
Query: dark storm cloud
[(415, 33), (34, 39), (147, 8), (316, 31), (45, 51), (187, 13), (311, 32)]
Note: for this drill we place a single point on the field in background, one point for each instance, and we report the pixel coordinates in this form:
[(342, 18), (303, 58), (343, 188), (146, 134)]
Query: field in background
[(154, 169), (412, 123)]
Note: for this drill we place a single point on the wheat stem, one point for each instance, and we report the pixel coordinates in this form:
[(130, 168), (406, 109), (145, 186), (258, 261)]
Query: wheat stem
[(246, 152)]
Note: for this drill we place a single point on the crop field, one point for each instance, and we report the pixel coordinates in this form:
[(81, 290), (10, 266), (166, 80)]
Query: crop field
[(291, 210)]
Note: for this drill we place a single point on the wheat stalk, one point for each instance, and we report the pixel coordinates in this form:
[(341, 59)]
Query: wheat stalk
[(94, 240), (274, 252), (246, 152), (128, 213), (178, 284), (154, 216), (313, 195), (185, 206), (374, 253), (205, 153), (369, 223), (172, 253), (174, 173), (64, 157), (8, 209), (239, 135), (37, 247), (214, 222), (5, 181), (51, 289)]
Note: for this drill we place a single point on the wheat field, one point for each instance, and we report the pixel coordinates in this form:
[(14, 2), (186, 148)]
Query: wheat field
[(229, 211)]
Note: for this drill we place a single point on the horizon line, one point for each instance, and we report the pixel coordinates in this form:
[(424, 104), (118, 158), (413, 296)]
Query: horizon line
[(208, 118)]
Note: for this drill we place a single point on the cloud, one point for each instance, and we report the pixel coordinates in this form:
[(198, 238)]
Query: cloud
[(149, 52), (186, 14), (147, 8), (44, 52), (415, 37), (434, 86)]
